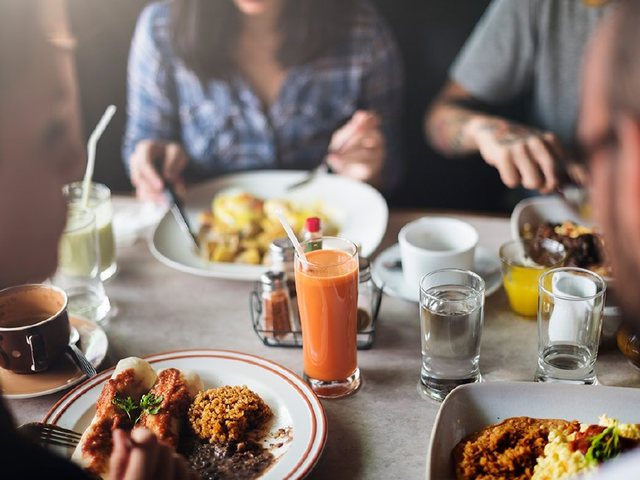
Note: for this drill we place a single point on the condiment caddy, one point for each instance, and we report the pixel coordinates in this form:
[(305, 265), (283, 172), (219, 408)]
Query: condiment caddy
[(274, 309)]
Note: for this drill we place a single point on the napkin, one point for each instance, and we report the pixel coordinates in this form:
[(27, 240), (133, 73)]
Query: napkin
[(570, 313), (134, 219)]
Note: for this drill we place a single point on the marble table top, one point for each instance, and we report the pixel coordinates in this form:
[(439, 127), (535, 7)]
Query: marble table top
[(380, 432)]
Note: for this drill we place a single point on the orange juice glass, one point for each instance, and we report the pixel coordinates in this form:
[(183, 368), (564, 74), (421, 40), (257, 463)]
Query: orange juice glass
[(523, 262), (327, 290)]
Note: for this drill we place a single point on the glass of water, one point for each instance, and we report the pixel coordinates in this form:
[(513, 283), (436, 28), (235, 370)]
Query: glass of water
[(451, 317), (570, 304), (78, 271)]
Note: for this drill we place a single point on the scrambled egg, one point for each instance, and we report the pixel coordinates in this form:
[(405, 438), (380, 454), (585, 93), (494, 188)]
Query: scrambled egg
[(240, 226), (560, 462)]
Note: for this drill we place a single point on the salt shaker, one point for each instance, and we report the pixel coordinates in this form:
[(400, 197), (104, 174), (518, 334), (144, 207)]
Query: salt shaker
[(281, 252), (276, 304), (369, 296)]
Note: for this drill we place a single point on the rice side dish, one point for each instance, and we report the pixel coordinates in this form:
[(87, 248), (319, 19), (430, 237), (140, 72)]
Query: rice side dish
[(523, 448), (226, 414)]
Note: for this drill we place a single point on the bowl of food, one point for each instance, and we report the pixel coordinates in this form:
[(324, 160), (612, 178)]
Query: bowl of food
[(529, 430), (236, 221)]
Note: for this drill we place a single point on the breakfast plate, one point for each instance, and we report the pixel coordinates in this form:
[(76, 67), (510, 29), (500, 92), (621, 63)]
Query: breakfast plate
[(472, 407), (537, 210), (293, 403), (358, 209), (65, 373), (387, 271)]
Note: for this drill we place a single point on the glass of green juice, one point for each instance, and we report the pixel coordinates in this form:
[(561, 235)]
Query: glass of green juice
[(78, 271), (100, 203)]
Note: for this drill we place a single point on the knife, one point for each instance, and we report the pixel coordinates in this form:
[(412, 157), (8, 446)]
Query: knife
[(177, 208), (180, 214)]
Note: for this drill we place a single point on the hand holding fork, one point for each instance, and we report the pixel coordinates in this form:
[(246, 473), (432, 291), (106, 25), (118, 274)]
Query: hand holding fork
[(356, 151)]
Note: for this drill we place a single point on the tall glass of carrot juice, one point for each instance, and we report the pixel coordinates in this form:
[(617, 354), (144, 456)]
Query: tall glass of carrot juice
[(327, 289)]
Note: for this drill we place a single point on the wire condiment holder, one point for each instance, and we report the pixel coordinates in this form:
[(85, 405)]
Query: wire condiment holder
[(368, 311)]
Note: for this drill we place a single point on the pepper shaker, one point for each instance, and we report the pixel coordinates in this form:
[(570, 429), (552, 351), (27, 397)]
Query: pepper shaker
[(276, 305), (369, 296), (282, 253)]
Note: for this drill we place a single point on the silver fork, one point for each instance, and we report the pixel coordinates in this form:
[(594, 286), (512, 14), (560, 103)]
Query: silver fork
[(322, 168), (48, 434)]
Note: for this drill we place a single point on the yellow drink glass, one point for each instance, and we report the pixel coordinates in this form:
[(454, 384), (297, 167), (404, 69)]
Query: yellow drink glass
[(100, 204), (523, 262)]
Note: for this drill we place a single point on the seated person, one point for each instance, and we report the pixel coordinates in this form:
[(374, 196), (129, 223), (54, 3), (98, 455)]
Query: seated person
[(609, 134), (40, 151), (520, 50), (218, 86)]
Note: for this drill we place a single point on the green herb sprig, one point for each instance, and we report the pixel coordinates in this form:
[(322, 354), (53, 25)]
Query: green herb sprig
[(604, 446), (149, 404), (127, 405)]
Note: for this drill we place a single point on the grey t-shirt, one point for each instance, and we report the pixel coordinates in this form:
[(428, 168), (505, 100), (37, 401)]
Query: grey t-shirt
[(535, 47)]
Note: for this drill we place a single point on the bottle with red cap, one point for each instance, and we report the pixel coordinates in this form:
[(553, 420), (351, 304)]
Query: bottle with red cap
[(312, 233)]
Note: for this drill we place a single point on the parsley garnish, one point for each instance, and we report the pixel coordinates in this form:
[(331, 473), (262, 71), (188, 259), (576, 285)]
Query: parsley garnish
[(149, 404), (127, 405), (604, 446)]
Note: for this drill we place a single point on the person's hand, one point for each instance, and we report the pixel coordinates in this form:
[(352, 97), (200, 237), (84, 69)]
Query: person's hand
[(151, 157), (142, 457), (357, 149), (523, 156)]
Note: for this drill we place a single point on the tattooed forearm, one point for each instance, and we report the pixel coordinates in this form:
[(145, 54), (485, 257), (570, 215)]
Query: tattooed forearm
[(449, 130)]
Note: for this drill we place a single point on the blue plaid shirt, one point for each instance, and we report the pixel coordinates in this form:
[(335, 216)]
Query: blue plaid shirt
[(224, 126)]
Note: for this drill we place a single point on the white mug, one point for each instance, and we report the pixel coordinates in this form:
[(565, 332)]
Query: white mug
[(433, 243)]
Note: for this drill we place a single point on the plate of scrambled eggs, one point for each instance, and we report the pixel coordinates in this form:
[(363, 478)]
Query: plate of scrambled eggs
[(234, 217)]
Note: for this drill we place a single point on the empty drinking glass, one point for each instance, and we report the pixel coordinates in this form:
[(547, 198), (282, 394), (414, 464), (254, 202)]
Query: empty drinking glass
[(570, 304), (451, 316), (78, 271)]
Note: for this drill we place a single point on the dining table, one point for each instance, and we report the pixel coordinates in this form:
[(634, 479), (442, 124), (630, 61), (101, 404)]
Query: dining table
[(383, 430)]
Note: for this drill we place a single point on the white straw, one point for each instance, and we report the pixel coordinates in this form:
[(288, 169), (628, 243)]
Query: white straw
[(293, 238), (91, 152)]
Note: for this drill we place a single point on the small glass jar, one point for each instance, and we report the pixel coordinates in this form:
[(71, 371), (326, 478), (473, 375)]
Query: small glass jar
[(276, 305), (369, 296)]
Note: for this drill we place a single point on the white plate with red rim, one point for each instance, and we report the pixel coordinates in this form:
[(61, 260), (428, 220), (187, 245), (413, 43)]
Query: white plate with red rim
[(359, 210), (471, 407), (292, 401)]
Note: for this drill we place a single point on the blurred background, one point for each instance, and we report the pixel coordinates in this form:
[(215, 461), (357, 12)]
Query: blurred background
[(430, 33)]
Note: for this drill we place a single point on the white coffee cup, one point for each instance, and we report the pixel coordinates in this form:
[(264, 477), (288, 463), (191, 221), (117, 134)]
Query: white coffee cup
[(432, 243)]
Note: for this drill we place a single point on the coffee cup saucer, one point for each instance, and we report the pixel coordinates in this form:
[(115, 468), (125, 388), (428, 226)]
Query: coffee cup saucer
[(64, 374), (387, 271)]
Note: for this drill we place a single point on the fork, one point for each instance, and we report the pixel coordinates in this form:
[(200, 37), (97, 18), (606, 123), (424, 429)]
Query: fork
[(322, 168), (49, 434)]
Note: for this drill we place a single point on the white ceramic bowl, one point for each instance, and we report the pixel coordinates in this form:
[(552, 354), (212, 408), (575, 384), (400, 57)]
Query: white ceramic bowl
[(537, 210), (432, 243)]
